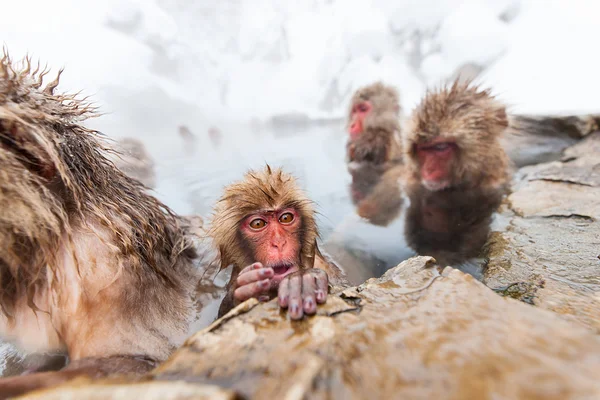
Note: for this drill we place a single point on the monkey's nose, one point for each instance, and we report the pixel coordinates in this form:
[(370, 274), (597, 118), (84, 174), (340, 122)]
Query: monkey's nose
[(279, 244)]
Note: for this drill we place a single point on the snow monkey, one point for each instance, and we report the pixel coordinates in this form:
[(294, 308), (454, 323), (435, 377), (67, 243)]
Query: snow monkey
[(374, 152), (90, 264), (460, 136), (265, 227), (452, 140)]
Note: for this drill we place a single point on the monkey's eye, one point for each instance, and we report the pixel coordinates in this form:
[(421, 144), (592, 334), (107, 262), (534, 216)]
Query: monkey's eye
[(286, 218), (258, 223), (440, 146), (362, 107)]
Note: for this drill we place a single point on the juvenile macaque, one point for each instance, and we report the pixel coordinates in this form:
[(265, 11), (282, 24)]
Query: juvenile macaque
[(264, 227), (90, 264), (452, 140), (374, 153)]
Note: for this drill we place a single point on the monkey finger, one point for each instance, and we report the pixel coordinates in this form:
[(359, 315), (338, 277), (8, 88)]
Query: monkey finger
[(283, 293), (309, 286), (250, 267), (254, 275), (322, 282), (295, 305), (255, 289)]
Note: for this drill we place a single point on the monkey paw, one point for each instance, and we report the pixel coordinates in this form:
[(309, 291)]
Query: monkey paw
[(301, 291)]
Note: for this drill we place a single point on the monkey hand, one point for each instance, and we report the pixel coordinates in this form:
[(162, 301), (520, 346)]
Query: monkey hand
[(301, 291), (253, 281)]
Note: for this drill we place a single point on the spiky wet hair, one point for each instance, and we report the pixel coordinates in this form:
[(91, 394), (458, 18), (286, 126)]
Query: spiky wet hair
[(55, 177), (269, 189), (470, 116)]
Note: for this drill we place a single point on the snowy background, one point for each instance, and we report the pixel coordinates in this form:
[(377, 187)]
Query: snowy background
[(275, 77), (261, 70)]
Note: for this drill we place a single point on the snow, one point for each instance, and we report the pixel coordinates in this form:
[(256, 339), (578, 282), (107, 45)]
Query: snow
[(551, 64)]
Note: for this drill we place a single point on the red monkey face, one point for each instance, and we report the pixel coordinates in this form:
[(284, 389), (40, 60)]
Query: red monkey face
[(435, 163), (359, 112), (274, 238)]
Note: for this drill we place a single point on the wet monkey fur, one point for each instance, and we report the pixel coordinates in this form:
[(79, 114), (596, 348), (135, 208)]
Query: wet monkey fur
[(90, 264), (460, 136), (452, 140), (264, 226)]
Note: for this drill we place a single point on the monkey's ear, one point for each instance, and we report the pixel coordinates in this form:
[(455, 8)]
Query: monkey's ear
[(16, 139)]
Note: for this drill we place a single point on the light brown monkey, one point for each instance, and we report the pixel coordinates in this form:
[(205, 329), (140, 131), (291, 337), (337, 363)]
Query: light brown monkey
[(134, 160), (452, 140), (264, 226), (374, 152), (90, 264)]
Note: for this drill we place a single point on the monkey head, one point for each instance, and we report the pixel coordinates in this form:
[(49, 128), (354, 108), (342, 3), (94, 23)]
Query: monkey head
[(373, 119), (265, 218), (452, 139), (373, 106)]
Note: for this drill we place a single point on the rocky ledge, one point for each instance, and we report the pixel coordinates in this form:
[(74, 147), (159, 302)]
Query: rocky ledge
[(422, 331), (547, 249)]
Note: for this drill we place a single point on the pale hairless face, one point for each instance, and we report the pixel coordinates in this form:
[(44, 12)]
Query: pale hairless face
[(274, 240)]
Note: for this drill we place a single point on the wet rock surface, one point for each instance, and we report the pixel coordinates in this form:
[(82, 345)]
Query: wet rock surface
[(550, 247), (417, 332)]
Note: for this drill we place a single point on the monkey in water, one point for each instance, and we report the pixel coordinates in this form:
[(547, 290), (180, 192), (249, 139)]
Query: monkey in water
[(457, 173), (452, 141), (264, 226), (374, 153), (90, 264)]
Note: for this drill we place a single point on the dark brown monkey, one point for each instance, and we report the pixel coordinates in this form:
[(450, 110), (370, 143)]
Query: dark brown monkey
[(90, 264), (264, 226), (452, 141), (457, 172), (374, 153)]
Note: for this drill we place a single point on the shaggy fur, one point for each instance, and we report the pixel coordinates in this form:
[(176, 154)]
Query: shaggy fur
[(472, 118), (59, 192), (260, 190), (266, 190), (378, 143)]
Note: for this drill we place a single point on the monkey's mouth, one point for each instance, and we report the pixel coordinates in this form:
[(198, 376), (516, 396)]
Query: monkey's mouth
[(283, 269), (436, 185)]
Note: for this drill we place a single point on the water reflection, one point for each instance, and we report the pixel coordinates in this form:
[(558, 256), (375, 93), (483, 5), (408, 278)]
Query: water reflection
[(451, 225)]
